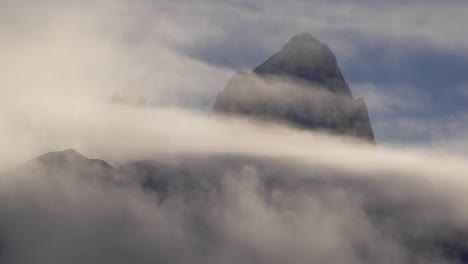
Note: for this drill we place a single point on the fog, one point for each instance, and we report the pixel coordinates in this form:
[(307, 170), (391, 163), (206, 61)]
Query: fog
[(333, 198), (238, 189)]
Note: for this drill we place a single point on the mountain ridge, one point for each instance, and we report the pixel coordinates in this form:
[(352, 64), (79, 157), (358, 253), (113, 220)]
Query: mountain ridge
[(314, 93), (307, 58)]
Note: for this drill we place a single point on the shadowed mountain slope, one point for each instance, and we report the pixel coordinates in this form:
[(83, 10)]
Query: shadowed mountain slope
[(65, 164), (301, 85)]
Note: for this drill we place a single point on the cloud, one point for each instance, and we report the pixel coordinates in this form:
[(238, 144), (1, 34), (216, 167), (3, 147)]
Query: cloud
[(448, 134), (391, 100), (406, 115), (347, 26), (290, 195), (74, 47), (305, 197), (462, 90), (186, 61)]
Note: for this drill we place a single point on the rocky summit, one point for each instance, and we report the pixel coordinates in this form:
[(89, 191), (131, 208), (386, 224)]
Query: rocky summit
[(301, 85)]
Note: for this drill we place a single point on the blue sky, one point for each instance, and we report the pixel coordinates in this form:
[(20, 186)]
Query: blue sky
[(415, 54), (435, 78), (407, 60)]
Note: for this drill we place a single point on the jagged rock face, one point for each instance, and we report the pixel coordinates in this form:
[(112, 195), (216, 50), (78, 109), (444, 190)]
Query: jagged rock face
[(306, 58), (302, 86)]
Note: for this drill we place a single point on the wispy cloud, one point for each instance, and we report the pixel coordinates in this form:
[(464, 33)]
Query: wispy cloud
[(63, 60), (329, 198), (384, 101), (462, 90)]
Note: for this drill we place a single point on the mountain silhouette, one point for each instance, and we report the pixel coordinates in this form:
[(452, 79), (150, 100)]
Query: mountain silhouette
[(301, 85), (67, 163)]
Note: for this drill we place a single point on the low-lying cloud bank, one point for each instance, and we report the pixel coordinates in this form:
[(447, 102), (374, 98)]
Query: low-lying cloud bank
[(187, 186), (219, 189)]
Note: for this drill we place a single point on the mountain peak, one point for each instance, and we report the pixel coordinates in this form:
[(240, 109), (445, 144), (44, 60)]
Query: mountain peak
[(304, 40), (301, 85), (304, 36), (307, 59), (70, 162), (306, 46), (68, 155)]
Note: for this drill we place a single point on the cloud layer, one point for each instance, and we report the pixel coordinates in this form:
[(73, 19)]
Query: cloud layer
[(288, 195)]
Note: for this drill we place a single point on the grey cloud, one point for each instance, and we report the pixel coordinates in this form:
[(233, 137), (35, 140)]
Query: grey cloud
[(266, 26), (462, 90), (236, 208), (287, 195), (391, 100), (183, 53), (445, 135)]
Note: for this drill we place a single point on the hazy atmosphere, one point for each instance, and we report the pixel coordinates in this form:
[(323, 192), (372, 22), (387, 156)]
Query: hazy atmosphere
[(233, 131)]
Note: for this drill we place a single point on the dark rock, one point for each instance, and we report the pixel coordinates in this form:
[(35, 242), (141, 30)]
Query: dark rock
[(67, 163), (309, 59), (302, 86)]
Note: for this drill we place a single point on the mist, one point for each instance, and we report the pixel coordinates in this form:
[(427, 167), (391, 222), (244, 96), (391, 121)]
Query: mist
[(235, 189)]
